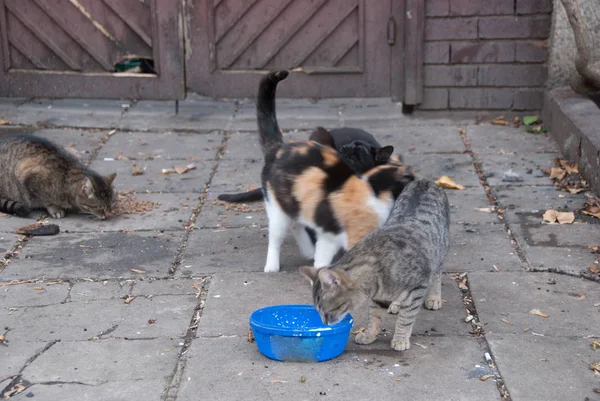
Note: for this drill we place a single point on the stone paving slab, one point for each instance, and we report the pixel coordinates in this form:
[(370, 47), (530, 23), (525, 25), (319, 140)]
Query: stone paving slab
[(479, 248), (446, 370), (492, 139), (90, 113), (14, 356), (232, 297), (152, 180), (95, 362), (33, 294), (298, 114), (234, 250), (147, 390), (167, 146), (512, 296), (84, 142), (171, 211), (215, 215), (464, 205), (529, 167), (95, 255), (161, 316), (420, 139), (546, 368), (459, 167), (233, 176), (148, 115)]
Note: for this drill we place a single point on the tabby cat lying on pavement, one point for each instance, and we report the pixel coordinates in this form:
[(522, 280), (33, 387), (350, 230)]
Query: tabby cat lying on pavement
[(397, 266), (38, 174), (308, 184)]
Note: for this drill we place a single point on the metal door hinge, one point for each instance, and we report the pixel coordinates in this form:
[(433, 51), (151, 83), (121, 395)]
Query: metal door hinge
[(391, 31)]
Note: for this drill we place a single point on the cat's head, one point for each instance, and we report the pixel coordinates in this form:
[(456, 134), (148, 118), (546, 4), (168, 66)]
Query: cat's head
[(361, 156), (96, 195), (335, 294)]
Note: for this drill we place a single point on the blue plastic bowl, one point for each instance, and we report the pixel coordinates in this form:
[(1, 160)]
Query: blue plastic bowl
[(296, 333)]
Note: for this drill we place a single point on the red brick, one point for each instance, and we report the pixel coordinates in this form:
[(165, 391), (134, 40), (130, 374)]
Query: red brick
[(437, 52), (512, 75), (481, 98), (481, 7), (532, 51), (437, 8), (450, 28), (528, 99), (450, 75), (482, 52), (534, 6), (527, 27), (434, 99)]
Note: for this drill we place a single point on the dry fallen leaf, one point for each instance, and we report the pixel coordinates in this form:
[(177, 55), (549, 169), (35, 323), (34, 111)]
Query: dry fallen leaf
[(499, 121), (2, 340), (136, 170), (15, 390), (595, 344), (594, 269), (38, 288), (581, 297), (595, 367), (129, 299), (507, 321), (138, 271), (558, 173), (485, 377), (447, 182), (278, 381), (250, 335), (516, 122), (552, 216), (151, 321), (484, 209), (538, 313)]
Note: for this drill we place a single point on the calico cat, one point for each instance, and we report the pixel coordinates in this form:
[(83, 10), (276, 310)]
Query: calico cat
[(308, 184), (357, 148), (38, 174), (397, 266)]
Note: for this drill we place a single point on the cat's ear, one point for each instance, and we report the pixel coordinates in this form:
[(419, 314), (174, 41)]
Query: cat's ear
[(382, 155), (110, 178), (322, 136), (329, 278), (310, 273), (88, 188)]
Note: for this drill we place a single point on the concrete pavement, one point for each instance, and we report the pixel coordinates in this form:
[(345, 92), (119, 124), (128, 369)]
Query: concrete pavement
[(154, 305)]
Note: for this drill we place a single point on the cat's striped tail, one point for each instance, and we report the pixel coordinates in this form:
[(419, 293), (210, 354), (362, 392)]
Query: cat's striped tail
[(12, 207), (270, 135)]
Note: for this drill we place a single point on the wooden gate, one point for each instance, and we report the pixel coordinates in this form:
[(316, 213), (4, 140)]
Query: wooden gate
[(338, 48), (69, 48)]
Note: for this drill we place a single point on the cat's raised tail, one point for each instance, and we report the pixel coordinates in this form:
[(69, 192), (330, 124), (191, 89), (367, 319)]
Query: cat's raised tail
[(270, 135)]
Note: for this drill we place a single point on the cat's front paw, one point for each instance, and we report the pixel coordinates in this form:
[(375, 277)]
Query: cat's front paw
[(394, 308), (433, 303), (272, 268), (55, 212), (400, 344), (364, 338)]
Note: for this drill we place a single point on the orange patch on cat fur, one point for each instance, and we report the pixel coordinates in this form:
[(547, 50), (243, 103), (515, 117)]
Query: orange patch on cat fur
[(350, 208), (377, 169), (301, 149), (330, 156), (395, 159), (308, 190)]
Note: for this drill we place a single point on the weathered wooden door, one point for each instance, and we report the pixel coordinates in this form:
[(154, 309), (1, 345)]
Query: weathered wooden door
[(69, 48), (337, 48)]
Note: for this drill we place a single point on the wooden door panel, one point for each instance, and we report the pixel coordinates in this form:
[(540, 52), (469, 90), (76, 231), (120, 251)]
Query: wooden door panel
[(324, 42), (69, 48)]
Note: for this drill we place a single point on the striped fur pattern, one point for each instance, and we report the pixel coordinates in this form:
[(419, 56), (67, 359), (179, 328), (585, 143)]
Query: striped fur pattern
[(38, 174), (397, 267), (307, 184)]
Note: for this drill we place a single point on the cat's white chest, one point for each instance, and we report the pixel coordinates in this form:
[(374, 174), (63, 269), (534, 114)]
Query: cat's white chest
[(381, 207)]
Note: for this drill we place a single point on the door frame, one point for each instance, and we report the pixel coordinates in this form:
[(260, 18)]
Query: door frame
[(168, 83)]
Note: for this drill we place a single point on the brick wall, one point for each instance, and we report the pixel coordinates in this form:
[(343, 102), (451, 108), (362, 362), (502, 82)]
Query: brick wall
[(485, 54)]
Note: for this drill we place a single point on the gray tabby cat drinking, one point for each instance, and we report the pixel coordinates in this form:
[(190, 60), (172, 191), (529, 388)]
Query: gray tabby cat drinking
[(398, 266), (38, 174)]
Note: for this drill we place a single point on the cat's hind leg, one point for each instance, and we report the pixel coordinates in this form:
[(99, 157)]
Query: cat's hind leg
[(279, 224), (305, 244), (433, 300), (325, 250), (369, 335), (406, 318)]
